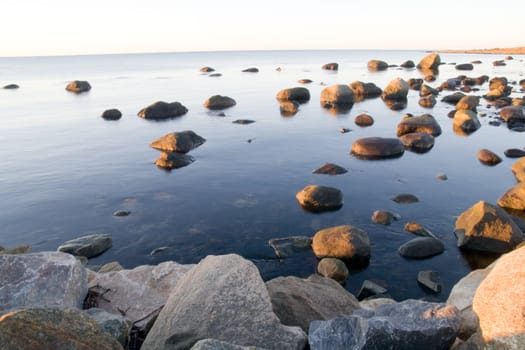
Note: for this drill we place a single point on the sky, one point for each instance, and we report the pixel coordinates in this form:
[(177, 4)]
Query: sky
[(66, 27)]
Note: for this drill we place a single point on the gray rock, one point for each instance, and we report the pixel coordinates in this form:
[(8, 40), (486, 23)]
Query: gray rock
[(425, 123), (163, 110), (11, 87), (377, 148), (408, 325), (88, 246), (251, 70), (110, 266), (139, 293), (298, 94), (370, 289), (298, 301), (330, 169), (465, 66), (288, 246), (405, 198), (219, 102), (514, 153), (46, 279), (421, 248), (408, 64), (111, 114), (243, 121), (333, 268), (373, 303), (214, 344), (78, 86), (122, 213), (225, 298), (431, 280), (180, 142), (117, 326), (320, 198)]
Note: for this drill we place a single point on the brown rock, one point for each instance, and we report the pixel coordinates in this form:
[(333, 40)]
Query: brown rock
[(330, 169), (418, 141), (207, 70), (333, 268), (488, 157), (430, 62), (163, 110), (425, 123), (469, 102), (342, 242), (383, 217), (518, 169), (288, 108), (298, 94), (427, 101), (466, 121), (330, 66), (337, 95), (514, 198), (219, 102), (364, 120), (320, 198), (377, 148), (180, 142), (78, 86), (397, 89), (173, 160), (377, 65)]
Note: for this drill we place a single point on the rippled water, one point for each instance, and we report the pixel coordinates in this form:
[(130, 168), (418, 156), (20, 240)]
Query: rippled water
[(64, 170)]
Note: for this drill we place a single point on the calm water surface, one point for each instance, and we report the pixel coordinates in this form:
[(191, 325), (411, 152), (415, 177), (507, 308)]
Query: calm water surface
[(65, 170)]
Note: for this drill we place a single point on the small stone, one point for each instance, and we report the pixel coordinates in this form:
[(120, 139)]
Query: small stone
[(243, 121), (333, 268), (383, 217), (320, 198), (415, 228), (219, 102), (207, 69), (430, 279), (112, 114), (215, 75), (330, 169), (330, 66), (78, 86), (11, 87), (304, 81), (121, 213), (364, 120), (488, 157), (344, 130), (405, 198), (251, 70), (442, 176)]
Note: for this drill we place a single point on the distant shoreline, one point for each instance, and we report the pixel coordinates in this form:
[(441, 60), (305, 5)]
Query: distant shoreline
[(501, 51)]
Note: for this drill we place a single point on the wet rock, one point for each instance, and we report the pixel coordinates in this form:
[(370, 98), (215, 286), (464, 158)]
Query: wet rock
[(229, 292), (488, 157), (425, 123), (465, 66), (180, 142), (370, 289), (289, 246), (419, 142), (298, 94), (454, 98), (243, 121), (78, 86), (377, 148), (513, 116), (364, 90), (500, 305), (397, 89), (320, 198), (430, 62), (216, 102), (139, 293), (487, 228), (343, 242), (466, 121), (337, 95), (89, 246), (330, 169), (11, 87), (408, 64), (415, 83), (173, 160), (111, 114), (514, 198), (116, 325), (121, 213), (421, 248), (304, 81), (408, 325), (426, 90), (53, 328), (377, 65), (415, 228), (333, 268), (330, 66), (251, 70), (427, 101), (469, 102), (514, 153), (163, 110), (518, 169), (405, 198), (430, 280), (46, 279), (297, 301), (288, 108), (364, 120), (207, 70), (383, 217)]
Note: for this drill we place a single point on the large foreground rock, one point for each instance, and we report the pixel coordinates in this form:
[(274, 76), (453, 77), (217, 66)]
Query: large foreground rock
[(487, 228), (425, 123), (513, 198), (163, 110), (297, 301), (223, 297), (88, 245), (343, 242), (320, 198), (377, 148), (46, 279), (409, 325), (180, 142), (140, 292), (41, 328), (219, 102), (500, 305)]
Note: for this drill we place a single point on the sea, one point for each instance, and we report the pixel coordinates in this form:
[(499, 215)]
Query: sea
[(64, 170)]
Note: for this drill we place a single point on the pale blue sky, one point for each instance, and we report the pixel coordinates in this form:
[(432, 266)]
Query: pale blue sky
[(58, 27)]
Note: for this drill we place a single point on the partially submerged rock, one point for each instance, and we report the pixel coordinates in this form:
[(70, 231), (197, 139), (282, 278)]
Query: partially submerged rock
[(78, 86), (518, 169), (397, 89), (377, 65), (163, 110), (419, 142), (88, 245), (288, 246), (330, 169), (383, 217), (377, 148), (298, 94), (180, 142), (430, 279), (430, 62), (405, 198), (513, 198), (337, 95), (330, 66), (364, 120), (421, 248), (251, 70), (343, 242), (425, 123), (216, 102), (466, 121), (111, 114), (333, 268), (488, 157), (364, 90), (11, 87), (320, 198)]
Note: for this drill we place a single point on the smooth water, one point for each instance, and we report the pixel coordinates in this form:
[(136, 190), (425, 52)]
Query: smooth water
[(64, 170)]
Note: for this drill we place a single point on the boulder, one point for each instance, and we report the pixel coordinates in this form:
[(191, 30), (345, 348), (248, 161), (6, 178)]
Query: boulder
[(466, 121), (364, 120), (288, 108), (138, 293), (513, 198), (116, 325), (419, 142), (333, 268), (377, 65), (330, 169), (298, 94), (377, 148), (297, 301), (335, 95), (518, 169), (251, 70), (173, 160), (469, 102), (408, 64), (320, 198), (163, 110), (487, 228), (223, 297), (288, 246), (421, 248), (214, 344), (111, 114), (219, 102), (427, 101), (397, 90), (405, 198), (78, 86), (488, 157), (430, 62), (46, 279), (364, 90), (408, 325), (343, 242), (499, 303), (465, 66), (425, 123), (454, 98), (330, 66), (53, 328), (430, 280), (180, 142), (88, 245)]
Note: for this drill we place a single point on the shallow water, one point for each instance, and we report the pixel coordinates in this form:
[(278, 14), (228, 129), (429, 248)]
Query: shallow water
[(65, 170)]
